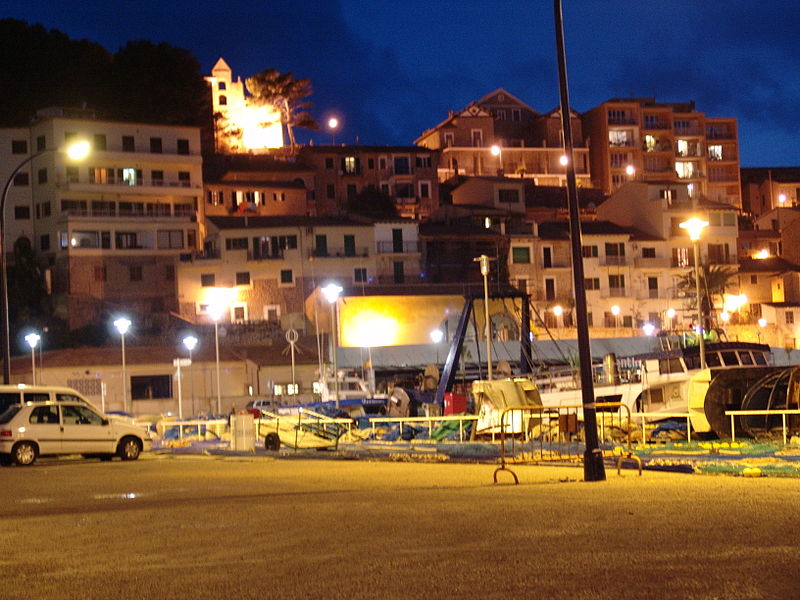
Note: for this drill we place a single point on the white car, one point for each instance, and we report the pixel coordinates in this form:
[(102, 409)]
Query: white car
[(33, 429)]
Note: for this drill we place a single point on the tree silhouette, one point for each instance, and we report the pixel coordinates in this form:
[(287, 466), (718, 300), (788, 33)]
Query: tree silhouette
[(288, 95)]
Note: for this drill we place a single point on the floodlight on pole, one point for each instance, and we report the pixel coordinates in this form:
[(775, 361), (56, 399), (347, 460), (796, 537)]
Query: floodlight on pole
[(694, 227), (498, 152), (123, 324), (333, 123), (75, 151), (331, 292), (484, 262), (215, 311), (33, 340)]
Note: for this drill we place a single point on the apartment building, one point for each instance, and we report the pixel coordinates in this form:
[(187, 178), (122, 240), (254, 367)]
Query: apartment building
[(109, 229), (406, 174), (765, 189), (641, 139), (264, 268), (501, 135)]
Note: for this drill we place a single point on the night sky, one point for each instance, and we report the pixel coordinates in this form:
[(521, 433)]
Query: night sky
[(390, 70)]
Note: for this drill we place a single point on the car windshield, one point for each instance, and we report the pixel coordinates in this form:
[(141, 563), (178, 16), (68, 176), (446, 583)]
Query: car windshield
[(9, 414)]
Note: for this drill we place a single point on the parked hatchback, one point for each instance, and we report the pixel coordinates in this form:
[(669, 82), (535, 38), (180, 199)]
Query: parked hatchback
[(34, 429)]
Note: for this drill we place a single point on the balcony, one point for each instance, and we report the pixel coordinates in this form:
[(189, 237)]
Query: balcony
[(656, 262), (193, 256), (621, 120), (255, 256), (655, 124), (398, 247), (714, 134), (613, 261), (361, 252), (555, 264), (614, 292)]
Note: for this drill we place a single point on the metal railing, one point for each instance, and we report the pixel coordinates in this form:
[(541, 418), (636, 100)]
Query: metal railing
[(744, 413), (430, 421)]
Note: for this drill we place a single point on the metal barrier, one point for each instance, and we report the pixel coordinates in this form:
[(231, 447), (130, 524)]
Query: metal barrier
[(429, 420), (185, 428), (738, 413), (308, 421), (661, 415), (552, 426)]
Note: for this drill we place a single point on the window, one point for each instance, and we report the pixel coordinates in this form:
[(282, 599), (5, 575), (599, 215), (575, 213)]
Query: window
[(329, 163), (350, 165), (330, 191), (148, 387), (618, 138), (74, 207), (41, 143), (402, 166), (44, 242), (183, 146), (449, 140), (128, 144), (360, 275), (221, 85), (424, 189), (508, 196), (589, 251), (103, 208), (729, 219), (286, 276), (19, 146), (423, 161), (715, 152), (43, 209), (404, 190), (616, 283), (21, 179), (223, 100), (135, 272), (370, 163), (80, 415), (100, 274), (185, 178), (42, 175), (753, 279), (685, 169), (99, 142), (208, 280), (125, 239), (681, 257), (172, 238), (648, 252), (520, 255), (789, 317), (243, 278), (349, 245), (352, 191), (236, 244), (591, 283), (157, 177)]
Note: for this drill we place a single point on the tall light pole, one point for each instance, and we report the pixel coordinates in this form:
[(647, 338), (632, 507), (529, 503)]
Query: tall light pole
[(191, 342), (436, 337), (498, 152), (331, 293), (123, 324), (333, 123), (695, 228), (215, 312), (33, 340), (484, 261), (76, 151), (615, 310)]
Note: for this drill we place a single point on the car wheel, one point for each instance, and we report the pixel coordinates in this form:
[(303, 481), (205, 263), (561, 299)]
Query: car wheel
[(24, 453), (129, 448), (272, 442)]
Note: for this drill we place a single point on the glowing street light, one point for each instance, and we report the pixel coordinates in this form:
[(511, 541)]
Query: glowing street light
[(75, 151), (615, 310), (191, 343), (333, 123), (762, 322), (484, 262), (694, 227), (331, 293), (563, 160), (123, 324), (215, 311), (648, 329), (33, 340), (436, 337), (630, 170), (781, 199), (498, 152)]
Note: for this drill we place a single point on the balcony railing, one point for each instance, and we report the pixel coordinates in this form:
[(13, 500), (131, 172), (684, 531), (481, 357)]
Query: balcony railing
[(656, 262), (613, 261), (361, 252), (655, 124), (251, 255), (613, 292), (625, 120), (398, 247), (720, 135)]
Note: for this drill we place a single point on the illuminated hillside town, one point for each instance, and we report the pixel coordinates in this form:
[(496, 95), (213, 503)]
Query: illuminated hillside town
[(231, 235)]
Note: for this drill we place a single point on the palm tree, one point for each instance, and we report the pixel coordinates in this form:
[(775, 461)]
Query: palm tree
[(288, 95), (714, 281)]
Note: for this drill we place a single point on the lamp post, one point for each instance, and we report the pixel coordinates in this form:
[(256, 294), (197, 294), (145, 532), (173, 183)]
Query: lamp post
[(333, 123), (498, 152), (558, 311), (122, 324), (215, 311), (331, 293), (33, 340), (484, 261), (436, 337), (75, 151), (191, 342), (615, 310), (694, 227), (762, 322)]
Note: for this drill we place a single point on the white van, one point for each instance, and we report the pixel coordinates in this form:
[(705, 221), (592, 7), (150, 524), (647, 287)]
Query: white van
[(17, 393)]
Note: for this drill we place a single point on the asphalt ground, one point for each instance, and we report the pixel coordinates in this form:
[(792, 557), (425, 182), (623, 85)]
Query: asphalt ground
[(195, 526)]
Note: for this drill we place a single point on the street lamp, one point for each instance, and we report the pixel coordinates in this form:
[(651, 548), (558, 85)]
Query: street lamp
[(76, 151), (615, 310), (762, 322), (498, 152), (191, 342), (694, 227), (671, 316), (630, 171), (484, 261), (436, 337), (331, 293), (333, 123), (122, 324), (33, 340), (215, 311)]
